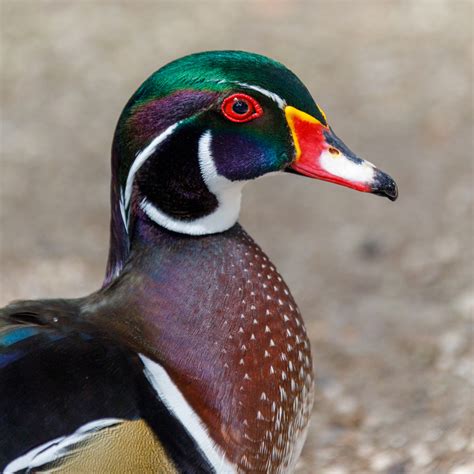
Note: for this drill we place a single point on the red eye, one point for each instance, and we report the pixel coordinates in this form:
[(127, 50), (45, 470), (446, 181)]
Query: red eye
[(241, 108)]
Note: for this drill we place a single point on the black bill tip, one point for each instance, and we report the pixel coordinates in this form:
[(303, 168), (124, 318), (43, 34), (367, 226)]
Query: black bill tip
[(385, 186)]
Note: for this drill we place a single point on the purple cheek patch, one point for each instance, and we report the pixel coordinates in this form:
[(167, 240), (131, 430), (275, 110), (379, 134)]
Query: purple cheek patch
[(153, 117), (240, 157)]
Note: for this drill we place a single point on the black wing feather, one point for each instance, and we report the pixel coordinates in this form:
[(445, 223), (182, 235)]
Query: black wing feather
[(55, 378)]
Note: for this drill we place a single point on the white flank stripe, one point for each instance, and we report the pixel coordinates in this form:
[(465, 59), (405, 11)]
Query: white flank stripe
[(26, 460), (228, 194), (344, 168), (174, 400), (54, 449), (140, 159)]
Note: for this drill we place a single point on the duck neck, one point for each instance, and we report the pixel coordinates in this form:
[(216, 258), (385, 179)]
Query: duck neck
[(204, 203)]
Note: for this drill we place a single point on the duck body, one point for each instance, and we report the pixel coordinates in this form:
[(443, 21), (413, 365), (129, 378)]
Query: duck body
[(193, 356), (246, 327)]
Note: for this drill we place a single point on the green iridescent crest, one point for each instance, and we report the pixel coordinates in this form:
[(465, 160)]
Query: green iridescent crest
[(220, 71)]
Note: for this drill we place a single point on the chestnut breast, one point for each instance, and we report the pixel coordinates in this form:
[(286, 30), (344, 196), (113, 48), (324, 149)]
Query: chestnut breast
[(221, 320)]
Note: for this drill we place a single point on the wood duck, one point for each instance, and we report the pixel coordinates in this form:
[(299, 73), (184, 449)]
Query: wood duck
[(193, 356)]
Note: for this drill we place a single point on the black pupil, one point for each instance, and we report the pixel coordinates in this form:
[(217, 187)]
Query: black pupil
[(240, 107)]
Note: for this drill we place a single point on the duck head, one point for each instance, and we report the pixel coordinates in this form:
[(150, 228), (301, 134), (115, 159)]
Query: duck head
[(201, 127)]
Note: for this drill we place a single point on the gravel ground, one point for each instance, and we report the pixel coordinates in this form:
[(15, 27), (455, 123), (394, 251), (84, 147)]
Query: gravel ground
[(386, 288)]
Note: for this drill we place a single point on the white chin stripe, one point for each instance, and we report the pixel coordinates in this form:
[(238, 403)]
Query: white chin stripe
[(228, 194), (174, 400), (339, 165)]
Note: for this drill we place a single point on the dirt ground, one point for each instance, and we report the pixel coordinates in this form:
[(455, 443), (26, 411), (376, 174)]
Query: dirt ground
[(386, 288)]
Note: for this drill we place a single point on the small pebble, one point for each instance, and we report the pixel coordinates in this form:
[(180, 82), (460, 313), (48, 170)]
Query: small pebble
[(433, 435), (464, 469), (365, 450), (335, 470), (381, 461), (420, 455), (397, 441), (456, 442), (464, 305)]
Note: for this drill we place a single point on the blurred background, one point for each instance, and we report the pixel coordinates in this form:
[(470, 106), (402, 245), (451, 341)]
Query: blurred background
[(386, 288)]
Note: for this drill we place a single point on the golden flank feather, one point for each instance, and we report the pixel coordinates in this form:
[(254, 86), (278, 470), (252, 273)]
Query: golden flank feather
[(112, 450)]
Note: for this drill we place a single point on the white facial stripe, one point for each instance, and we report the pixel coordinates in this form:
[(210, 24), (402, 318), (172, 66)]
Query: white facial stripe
[(174, 400), (57, 448), (136, 165), (228, 194), (340, 166), (275, 97)]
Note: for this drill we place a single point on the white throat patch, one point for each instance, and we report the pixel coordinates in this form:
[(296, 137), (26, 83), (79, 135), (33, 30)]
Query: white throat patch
[(228, 194)]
